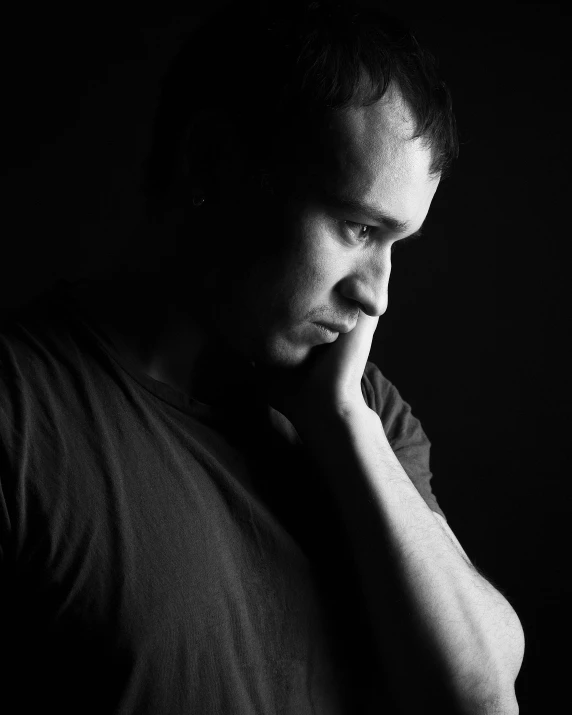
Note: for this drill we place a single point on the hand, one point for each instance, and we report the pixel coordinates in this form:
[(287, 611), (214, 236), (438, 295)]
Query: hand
[(328, 385)]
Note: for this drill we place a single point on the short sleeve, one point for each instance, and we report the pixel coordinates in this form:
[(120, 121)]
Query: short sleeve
[(404, 432), (5, 466)]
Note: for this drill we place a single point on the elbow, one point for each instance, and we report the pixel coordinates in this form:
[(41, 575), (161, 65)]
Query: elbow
[(501, 696), (505, 704), (497, 697), (498, 701), (500, 706)]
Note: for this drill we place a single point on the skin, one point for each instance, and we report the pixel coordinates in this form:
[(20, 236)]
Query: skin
[(430, 611), (246, 316), (267, 273), (324, 269), (278, 270)]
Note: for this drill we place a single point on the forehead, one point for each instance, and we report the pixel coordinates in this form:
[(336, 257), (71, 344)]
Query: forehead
[(369, 154)]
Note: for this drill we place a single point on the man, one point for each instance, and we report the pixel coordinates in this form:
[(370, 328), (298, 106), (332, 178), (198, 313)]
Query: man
[(211, 501)]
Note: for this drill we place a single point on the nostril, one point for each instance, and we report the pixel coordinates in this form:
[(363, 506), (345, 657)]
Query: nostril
[(369, 293)]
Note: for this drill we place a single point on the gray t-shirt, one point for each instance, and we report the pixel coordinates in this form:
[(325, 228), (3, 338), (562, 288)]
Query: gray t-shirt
[(160, 556)]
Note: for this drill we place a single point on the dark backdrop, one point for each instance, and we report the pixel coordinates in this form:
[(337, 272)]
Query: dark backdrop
[(475, 335)]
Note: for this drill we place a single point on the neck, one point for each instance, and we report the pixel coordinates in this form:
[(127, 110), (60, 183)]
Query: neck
[(147, 323)]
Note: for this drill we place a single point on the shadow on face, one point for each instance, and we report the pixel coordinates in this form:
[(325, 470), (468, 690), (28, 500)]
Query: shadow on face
[(261, 265)]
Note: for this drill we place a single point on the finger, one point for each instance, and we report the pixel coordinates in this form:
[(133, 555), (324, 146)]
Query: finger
[(363, 336), (351, 350)]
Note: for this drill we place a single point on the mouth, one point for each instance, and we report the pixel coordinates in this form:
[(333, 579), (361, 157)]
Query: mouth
[(323, 334), (330, 332), (336, 327)]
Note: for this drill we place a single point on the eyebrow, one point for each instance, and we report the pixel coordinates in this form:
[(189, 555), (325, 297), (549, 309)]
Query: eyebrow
[(358, 206)]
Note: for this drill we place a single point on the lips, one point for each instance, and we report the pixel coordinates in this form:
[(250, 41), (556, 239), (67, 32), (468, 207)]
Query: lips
[(337, 327)]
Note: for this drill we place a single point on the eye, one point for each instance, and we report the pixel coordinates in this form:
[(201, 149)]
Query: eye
[(360, 232)]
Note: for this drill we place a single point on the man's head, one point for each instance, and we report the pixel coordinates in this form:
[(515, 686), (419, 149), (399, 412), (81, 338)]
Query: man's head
[(298, 132)]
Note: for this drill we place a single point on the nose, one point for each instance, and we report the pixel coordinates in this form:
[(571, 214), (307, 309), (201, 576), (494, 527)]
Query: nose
[(367, 283)]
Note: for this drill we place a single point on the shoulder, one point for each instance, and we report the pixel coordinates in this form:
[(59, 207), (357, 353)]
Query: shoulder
[(43, 360), (32, 339), (47, 407), (41, 333)]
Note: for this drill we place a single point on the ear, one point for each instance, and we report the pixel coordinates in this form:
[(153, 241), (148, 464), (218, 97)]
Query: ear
[(218, 159), (213, 154)]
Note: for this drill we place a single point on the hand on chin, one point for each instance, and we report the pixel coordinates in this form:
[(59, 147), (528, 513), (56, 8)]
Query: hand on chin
[(327, 384)]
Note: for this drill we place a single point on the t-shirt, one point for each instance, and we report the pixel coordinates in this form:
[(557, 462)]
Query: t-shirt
[(162, 556)]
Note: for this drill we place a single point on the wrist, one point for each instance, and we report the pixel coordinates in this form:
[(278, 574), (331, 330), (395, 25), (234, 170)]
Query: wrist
[(349, 441), (354, 413), (340, 420)]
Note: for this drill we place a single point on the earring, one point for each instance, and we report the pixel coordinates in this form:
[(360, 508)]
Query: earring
[(198, 198)]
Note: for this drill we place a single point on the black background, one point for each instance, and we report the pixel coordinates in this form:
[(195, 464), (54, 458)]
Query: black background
[(475, 336)]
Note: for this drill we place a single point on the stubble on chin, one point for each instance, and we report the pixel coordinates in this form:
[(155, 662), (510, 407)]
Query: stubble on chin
[(284, 353)]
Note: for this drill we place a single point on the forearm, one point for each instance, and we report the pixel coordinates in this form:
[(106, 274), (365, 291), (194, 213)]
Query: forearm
[(446, 637)]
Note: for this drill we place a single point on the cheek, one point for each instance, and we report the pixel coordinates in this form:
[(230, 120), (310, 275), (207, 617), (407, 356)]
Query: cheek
[(310, 272), (318, 256), (302, 273)]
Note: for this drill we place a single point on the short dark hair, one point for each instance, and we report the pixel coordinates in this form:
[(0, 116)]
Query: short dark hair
[(288, 68)]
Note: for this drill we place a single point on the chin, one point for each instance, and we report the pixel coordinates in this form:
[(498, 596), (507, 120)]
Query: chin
[(283, 354)]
